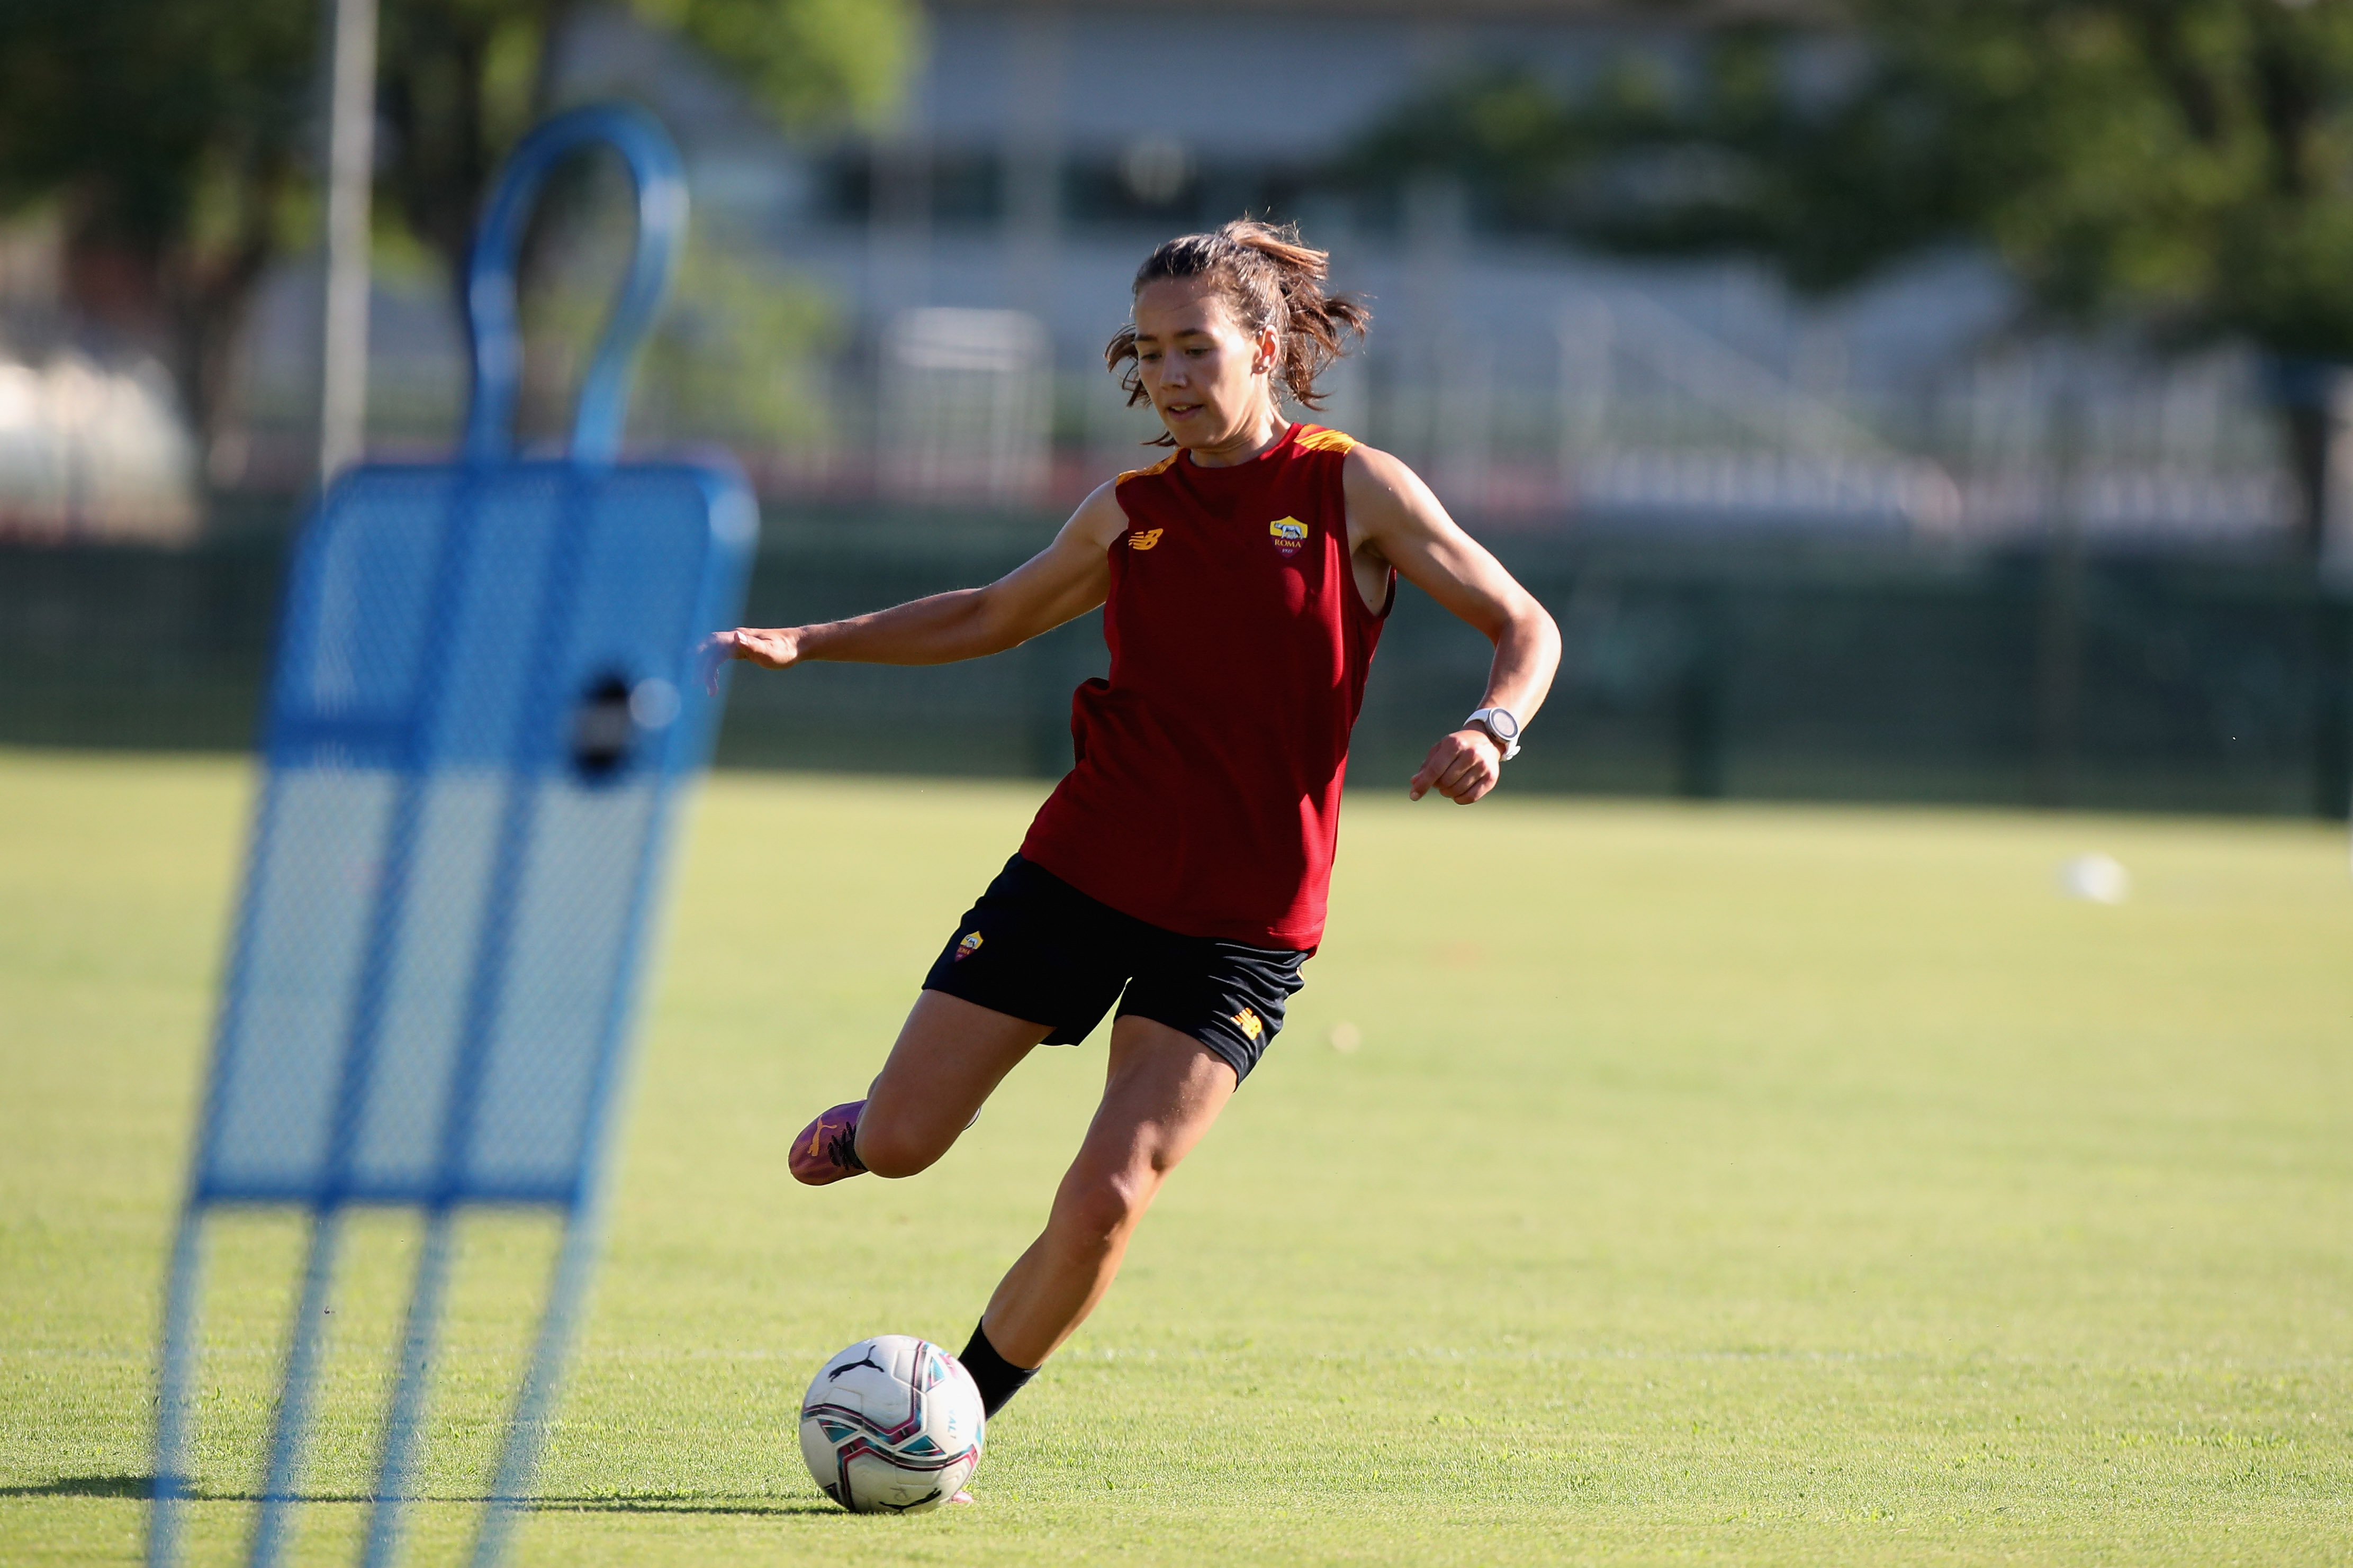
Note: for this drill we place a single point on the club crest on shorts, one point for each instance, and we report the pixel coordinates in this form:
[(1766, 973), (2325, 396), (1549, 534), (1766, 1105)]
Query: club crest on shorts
[(1288, 533), (968, 946)]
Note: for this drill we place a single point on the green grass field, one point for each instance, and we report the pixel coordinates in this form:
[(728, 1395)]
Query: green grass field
[(1746, 1185)]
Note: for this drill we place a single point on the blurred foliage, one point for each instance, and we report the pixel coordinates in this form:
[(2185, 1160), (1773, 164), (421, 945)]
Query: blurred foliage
[(169, 134), (180, 137), (2188, 162), (737, 355), (168, 122), (461, 79), (810, 61)]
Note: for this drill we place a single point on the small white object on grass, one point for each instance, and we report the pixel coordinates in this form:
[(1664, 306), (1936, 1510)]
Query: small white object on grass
[(2101, 878), (1344, 1037)]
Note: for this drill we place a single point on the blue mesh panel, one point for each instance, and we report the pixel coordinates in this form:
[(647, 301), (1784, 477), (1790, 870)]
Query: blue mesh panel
[(568, 929), (361, 622), (483, 698), (397, 1142), (306, 940)]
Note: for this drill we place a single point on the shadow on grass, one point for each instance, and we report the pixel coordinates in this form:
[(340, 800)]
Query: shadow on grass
[(660, 1503), (88, 1486), (141, 1488)]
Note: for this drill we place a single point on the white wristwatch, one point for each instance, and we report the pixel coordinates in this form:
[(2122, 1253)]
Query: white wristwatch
[(1503, 727)]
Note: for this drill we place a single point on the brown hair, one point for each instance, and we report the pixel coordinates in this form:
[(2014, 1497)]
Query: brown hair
[(1268, 280)]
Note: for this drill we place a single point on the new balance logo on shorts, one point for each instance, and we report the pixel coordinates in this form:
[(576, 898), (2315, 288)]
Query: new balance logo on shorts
[(1060, 958)]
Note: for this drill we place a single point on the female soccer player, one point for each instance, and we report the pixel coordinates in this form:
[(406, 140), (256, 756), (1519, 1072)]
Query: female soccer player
[(1179, 868)]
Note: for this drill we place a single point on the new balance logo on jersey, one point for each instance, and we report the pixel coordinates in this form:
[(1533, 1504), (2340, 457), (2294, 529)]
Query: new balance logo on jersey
[(1144, 538), (1288, 533)]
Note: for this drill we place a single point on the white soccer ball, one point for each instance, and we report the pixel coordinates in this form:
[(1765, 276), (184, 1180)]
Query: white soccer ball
[(2101, 878), (892, 1425)]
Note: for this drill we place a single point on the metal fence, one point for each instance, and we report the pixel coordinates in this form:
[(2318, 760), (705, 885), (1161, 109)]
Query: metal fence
[(1695, 667)]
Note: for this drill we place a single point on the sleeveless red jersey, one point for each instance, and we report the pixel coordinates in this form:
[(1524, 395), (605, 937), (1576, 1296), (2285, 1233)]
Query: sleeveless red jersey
[(1207, 795)]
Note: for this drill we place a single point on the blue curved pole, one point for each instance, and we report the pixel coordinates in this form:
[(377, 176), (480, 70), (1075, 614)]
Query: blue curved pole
[(660, 180)]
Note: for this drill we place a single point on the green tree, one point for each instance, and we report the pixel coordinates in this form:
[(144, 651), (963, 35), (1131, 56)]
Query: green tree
[(176, 137), (169, 133), (734, 358), (2186, 165), (461, 80)]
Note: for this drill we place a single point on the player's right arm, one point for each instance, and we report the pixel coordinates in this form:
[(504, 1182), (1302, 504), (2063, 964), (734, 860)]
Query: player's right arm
[(1060, 583)]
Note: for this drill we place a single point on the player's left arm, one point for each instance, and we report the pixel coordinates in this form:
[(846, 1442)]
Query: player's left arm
[(1395, 521)]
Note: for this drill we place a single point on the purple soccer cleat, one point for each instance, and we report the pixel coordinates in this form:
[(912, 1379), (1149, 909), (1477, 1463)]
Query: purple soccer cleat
[(826, 1148)]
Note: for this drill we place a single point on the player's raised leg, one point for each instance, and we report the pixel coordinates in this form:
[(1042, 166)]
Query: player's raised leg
[(1162, 1091), (950, 1056)]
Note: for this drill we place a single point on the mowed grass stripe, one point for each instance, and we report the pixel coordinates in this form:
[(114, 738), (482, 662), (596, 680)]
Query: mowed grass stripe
[(1758, 1184)]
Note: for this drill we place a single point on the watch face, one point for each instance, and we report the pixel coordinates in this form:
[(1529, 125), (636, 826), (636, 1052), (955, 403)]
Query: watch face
[(1501, 721)]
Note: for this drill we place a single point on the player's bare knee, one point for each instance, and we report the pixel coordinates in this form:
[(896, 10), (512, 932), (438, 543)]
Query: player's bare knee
[(1101, 1209)]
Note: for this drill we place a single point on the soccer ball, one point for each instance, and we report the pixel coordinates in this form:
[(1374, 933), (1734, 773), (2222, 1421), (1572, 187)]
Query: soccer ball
[(892, 1425)]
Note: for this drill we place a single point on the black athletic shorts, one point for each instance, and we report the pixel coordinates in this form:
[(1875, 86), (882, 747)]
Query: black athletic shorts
[(1037, 948)]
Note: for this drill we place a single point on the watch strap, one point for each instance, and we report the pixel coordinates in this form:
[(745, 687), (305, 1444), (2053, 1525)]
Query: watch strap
[(1478, 721)]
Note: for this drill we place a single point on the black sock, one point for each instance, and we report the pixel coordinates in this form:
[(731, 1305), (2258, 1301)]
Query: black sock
[(999, 1379)]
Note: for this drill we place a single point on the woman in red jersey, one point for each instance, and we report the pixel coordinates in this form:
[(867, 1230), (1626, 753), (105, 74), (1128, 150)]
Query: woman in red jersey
[(1179, 868)]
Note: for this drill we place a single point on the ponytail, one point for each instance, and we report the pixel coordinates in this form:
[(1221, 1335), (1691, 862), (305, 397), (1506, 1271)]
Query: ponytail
[(1269, 279)]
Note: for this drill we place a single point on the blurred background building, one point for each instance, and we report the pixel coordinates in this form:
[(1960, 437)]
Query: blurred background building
[(1879, 517), (1036, 153)]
